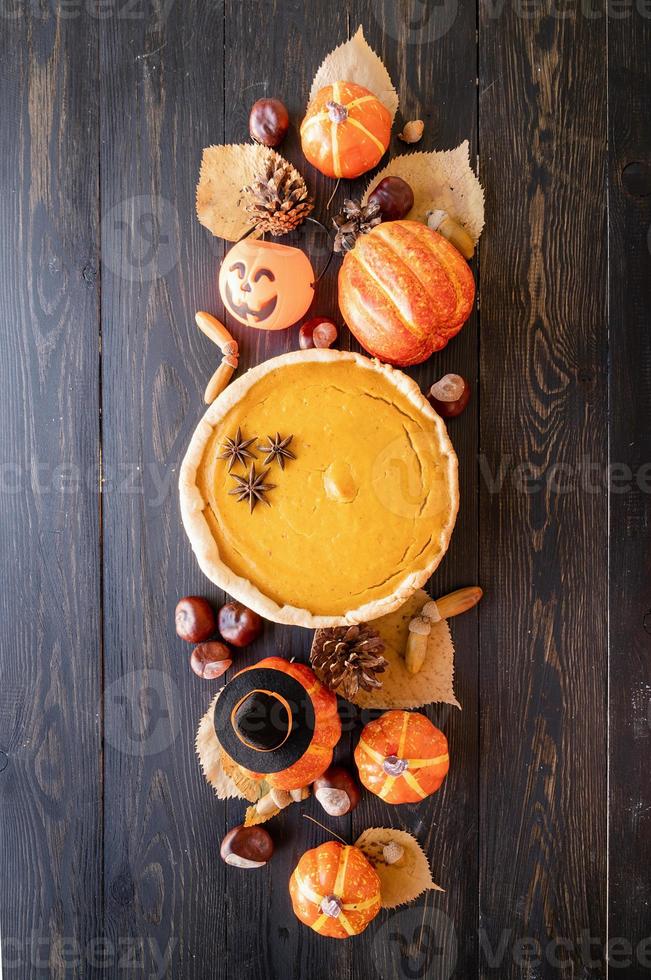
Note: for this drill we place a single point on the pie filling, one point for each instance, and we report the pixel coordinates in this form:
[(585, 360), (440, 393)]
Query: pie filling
[(364, 504)]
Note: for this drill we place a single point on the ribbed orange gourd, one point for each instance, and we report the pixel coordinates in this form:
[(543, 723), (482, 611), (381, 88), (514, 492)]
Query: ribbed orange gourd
[(346, 130), (327, 728), (335, 890), (405, 291), (402, 757)]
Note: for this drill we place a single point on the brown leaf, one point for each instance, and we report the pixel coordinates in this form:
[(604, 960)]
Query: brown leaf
[(433, 682), (441, 180), (409, 877), (249, 789), (355, 61), (252, 818), (225, 171), (210, 756)]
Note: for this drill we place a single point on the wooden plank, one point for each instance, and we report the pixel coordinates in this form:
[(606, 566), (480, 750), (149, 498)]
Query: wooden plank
[(274, 49), (543, 534), (50, 668), (629, 80), (431, 56), (162, 101)]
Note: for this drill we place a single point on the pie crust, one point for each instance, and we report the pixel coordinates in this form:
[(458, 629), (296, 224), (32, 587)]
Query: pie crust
[(358, 521)]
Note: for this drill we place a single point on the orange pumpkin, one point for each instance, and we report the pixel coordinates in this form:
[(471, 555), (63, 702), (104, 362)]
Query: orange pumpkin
[(327, 728), (335, 890), (405, 291), (346, 130), (266, 285), (402, 757)]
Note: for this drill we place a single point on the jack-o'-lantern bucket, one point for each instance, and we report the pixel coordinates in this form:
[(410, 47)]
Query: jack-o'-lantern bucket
[(266, 285)]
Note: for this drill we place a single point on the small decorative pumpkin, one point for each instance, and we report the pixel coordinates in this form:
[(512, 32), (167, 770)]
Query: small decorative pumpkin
[(266, 285), (335, 890), (346, 130), (402, 757), (405, 291), (277, 722)]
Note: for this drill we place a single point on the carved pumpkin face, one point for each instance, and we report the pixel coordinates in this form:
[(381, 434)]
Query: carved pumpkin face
[(265, 285)]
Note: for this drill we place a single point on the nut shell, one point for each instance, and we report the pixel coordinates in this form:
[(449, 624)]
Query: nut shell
[(210, 660), (194, 618), (247, 847), (268, 122), (337, 791), (238, 624)]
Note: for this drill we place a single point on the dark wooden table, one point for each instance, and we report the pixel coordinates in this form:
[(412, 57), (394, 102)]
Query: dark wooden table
[(109, 836)]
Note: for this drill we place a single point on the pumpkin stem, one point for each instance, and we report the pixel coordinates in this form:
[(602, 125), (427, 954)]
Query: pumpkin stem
[(338, 113), (323, 827)]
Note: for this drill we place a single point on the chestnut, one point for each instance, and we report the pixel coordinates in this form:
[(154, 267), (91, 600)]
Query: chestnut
[(449, 396), (195, 619), (337, 791), (210, 660), (238, 624), (268, 122), (247, 847), (395, 197), (320, 332)]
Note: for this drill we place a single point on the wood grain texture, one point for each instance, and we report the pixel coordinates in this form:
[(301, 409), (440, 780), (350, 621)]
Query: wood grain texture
[(273, 49), (108, 832), (630, 509), (543, 535), (50, 660), (161, 98), (431, 56)]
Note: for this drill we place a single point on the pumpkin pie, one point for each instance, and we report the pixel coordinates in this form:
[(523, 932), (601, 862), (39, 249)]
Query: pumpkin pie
[(344, 523)]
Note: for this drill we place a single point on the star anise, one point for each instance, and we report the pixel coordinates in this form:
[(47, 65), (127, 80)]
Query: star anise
[(252, 487), (276, 450), (236, 450)]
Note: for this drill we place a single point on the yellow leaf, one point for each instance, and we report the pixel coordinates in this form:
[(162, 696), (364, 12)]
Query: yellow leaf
[(355, 61), (407, 878), (209, 751), (249, 789), (225, 171), (441, 180), (433, 682), (252, 817)]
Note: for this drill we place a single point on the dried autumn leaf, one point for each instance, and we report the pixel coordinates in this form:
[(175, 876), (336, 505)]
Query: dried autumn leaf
[(249, 789), (441, 180), (406, 879), (225, 172), (252, 818), (209, 751), (355, 61), (433, 682)]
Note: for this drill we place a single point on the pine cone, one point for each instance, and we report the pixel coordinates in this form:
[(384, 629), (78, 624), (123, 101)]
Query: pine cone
[(278, 200), (355, 220), (348, 657)]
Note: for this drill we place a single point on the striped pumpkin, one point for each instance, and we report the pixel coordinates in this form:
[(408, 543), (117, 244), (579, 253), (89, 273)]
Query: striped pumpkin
[(335, 890), (402, 757), (405, 291), (346, 130), (327, 729)]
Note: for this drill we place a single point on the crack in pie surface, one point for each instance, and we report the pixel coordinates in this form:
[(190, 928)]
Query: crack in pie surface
[(356, 522)]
